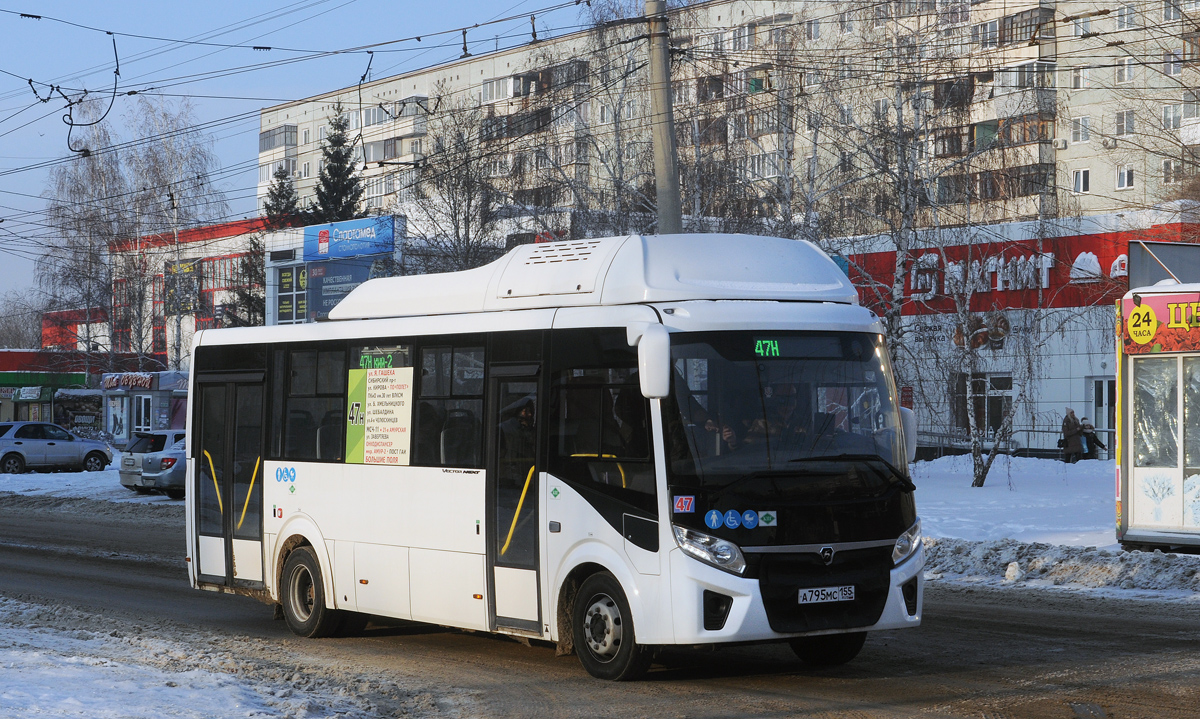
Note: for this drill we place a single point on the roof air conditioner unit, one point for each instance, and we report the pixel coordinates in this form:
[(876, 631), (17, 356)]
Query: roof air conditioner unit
[(1060, 144)]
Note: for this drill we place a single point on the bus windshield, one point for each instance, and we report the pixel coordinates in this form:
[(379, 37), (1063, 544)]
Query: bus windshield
[(780, 404)]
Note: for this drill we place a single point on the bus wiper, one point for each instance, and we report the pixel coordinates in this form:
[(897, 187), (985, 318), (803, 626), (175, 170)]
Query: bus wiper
[(904, 481)]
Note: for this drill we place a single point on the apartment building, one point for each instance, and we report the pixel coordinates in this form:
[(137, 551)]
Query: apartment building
[(1008, 150)]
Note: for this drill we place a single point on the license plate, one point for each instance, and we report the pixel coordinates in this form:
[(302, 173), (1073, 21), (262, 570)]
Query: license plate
[(819, 595), (127, 462)]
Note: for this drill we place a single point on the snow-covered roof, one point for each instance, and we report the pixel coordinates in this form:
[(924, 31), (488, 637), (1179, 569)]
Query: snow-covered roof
[(613, 271), (1165, 287)]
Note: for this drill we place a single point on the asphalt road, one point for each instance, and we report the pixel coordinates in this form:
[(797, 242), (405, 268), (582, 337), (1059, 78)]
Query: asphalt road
[(980, 653)]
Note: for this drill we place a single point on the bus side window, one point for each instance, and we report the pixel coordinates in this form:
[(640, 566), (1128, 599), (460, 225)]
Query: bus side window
[(313, 418), (448, 422)]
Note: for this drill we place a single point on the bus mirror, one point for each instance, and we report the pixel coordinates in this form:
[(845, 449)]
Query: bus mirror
[(654, 361), (908, 419)]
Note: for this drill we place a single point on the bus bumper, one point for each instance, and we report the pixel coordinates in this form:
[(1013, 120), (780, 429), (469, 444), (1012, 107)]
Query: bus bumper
[(746, 619)]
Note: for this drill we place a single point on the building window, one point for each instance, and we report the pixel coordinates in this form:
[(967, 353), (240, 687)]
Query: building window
[(812, 29), (986, 34), (1124, 122), (989, 397), (1126, 17), (1172, 116), (1081, 78), (282, 136), (1081, 181), (1081, 26), (743, 38), (1172, 171), (1125, 177), (1173, 62), (845, 23), (1171, 10), (883, 12), (306, 135), (880, 110), (304, 169), (1080, 129), (1125, 68), (321, 132), (142, 412)]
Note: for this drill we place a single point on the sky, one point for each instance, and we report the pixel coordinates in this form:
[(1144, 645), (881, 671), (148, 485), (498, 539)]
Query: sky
[(70, 47)]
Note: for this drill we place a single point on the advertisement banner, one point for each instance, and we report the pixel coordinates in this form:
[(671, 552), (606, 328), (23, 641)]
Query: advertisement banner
[(329, 282), (1153, 323), (352, 238)]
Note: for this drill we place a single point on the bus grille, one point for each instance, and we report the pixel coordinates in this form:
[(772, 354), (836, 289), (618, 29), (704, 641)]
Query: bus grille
[(782, 576)]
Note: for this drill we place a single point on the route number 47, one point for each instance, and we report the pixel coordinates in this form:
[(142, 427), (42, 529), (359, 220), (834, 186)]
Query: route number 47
[(684, 505)]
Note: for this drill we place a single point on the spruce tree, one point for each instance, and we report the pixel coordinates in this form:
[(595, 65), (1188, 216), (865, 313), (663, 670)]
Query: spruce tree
[(282, 206), (339, 187)]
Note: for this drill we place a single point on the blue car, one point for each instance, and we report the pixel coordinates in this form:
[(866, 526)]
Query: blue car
[(41, 445)]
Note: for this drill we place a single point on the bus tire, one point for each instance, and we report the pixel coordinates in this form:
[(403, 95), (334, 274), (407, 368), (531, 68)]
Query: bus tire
[(828, 650), (602, 626), (304, 596)]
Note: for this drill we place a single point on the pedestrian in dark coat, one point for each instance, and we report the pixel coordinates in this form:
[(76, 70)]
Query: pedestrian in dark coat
[(1072, 432), (1092, 443)]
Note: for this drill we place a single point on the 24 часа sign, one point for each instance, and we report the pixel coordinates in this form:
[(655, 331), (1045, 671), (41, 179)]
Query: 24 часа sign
[(352, 238)]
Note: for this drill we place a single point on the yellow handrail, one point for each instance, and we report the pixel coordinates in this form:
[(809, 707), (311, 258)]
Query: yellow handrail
[(520, 503), (248, 493), (213, 472)]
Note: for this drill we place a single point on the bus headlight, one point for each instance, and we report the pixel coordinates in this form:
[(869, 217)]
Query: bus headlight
[(907, 543), (712, 550)]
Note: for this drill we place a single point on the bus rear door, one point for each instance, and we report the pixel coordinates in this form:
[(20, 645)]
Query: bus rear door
[(228, 442)]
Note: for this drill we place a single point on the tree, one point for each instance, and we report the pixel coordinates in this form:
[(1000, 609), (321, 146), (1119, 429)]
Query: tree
[(21, 323), (452, 217), (282, 204), (339, 186)]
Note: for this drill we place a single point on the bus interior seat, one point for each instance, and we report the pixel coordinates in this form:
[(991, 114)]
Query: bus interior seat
[(329, 435), (460, 439), (301, 434)]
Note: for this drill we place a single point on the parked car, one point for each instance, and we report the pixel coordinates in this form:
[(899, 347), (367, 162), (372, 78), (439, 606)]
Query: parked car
[(41, 445), (133, 459), (165, 471)]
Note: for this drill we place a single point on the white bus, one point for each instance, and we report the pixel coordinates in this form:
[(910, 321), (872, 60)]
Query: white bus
[(612, 444)]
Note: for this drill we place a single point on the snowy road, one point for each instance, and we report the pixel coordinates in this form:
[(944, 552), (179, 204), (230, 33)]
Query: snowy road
[(97, 620)]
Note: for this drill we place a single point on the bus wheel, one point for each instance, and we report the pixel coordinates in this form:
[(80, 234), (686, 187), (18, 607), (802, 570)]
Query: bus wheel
[(828, 650), (603, 629), (304, 596)]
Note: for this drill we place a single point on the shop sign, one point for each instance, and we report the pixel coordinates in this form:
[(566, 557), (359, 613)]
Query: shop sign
[(29, 393), (1153, 323), (137, 380), (7, 392)]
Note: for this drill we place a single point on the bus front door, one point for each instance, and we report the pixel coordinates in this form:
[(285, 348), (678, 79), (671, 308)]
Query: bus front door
[(512, 471), (229, 481)]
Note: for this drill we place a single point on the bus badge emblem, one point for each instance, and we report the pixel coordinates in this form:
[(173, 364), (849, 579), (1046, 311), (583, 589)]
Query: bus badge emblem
[(827, 555)]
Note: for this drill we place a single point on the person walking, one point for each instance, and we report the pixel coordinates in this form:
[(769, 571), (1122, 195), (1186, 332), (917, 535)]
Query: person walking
[(1072, 432), (1092, 443)]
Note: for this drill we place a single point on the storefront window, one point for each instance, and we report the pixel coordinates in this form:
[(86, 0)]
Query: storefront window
[(1156, 424)]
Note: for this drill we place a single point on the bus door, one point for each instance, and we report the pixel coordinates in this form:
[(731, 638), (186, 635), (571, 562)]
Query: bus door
[(513, 477), (227, 451)]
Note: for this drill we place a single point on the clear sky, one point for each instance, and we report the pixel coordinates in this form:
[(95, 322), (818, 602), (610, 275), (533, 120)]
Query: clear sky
[(227, 85)]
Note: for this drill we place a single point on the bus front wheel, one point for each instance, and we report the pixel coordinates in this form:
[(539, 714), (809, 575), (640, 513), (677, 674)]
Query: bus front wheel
[(304, 596), (828, 650), (603, 631)]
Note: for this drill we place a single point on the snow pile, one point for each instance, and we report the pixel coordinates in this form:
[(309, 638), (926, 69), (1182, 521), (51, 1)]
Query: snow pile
[(1009, 562), (57, 661), (105, 486)]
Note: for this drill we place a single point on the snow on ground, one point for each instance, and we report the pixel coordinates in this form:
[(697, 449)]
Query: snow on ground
[(63, 663), (105, 486), (1038, 523)]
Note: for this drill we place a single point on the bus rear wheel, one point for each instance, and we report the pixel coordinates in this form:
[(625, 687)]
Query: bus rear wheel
[(828, 650), (304, 596), (603, 631)]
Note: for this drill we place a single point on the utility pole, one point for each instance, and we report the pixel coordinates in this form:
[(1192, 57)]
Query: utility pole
[(178, 340), (662, 120)]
